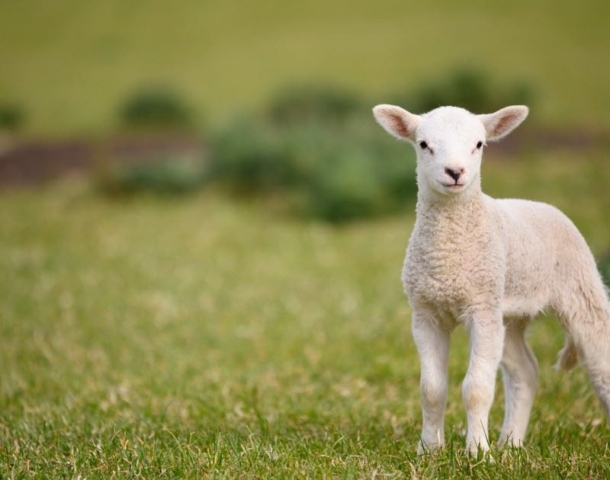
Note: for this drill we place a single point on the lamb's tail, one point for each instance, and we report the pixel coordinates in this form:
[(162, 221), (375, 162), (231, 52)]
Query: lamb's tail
[(567, 358)]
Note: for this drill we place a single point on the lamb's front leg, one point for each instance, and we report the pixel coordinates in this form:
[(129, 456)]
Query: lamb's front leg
[(486, 343), (433, 346)]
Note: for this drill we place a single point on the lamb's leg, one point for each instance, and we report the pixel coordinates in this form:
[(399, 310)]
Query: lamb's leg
[(592, 338), (599, 373), (584, 310), (520, 376), (486, 344), (433, 347)]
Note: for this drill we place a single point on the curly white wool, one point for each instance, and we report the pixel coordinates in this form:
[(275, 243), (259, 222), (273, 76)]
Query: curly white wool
[(491, 265)]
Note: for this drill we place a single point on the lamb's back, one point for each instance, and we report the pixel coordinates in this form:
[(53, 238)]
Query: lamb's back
[(542, 244)]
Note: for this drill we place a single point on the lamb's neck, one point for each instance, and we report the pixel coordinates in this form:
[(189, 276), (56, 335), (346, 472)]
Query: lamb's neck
[(450, 215)]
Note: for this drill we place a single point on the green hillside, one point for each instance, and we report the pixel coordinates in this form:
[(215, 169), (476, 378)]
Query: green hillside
[(70, 64)]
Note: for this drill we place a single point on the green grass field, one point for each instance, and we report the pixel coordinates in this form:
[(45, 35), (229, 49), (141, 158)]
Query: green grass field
[(200, 337), (72, 63)]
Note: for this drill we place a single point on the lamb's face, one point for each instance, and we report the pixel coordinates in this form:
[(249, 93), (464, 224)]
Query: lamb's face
[(449, 143)]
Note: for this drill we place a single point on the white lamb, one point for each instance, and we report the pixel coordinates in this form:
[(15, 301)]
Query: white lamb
[(491, 265)]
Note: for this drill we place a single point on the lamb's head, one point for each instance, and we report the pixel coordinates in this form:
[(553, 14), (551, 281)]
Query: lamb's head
[(449, 142)]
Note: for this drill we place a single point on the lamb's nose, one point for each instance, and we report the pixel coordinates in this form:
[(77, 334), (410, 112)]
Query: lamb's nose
[(455, 174)]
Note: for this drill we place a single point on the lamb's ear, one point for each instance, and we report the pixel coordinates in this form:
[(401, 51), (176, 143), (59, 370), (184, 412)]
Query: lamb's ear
[(501, 123), (397, 121)]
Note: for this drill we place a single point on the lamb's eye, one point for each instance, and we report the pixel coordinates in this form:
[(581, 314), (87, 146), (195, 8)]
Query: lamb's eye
[(423, 145), (479, 145)]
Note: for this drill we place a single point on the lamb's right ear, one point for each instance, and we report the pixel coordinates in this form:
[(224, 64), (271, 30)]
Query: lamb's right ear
[(501, 123), (397, 121)]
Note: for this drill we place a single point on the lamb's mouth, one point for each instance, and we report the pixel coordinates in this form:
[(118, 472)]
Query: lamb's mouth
[(453, 186)]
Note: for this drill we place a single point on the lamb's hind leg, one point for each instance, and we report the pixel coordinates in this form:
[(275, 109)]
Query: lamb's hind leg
[(433, 346), (592, 339), (585, 314), (520, 376)]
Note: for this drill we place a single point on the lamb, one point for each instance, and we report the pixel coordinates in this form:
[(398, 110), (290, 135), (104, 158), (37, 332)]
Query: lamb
[(490, 265)]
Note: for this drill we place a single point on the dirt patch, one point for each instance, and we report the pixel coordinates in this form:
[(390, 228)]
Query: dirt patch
[(31, 161)]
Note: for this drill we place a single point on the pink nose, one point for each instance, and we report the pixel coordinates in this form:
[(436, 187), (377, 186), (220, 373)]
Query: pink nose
[(455, 174)]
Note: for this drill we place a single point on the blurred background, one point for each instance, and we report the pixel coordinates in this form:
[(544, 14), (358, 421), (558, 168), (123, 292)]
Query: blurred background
[(274, 99)]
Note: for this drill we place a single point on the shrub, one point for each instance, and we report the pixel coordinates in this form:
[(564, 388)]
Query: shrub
[(158, 107), (251, 156), (11, 116), (335, 172), (345, 189), (158, 176), (300, 103), (469, 88), (320, 148), (359, 174)]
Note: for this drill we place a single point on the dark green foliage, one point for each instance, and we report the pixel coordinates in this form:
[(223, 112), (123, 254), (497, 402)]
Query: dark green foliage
[(314, 102), (11, 116), (156, 107), (346, 188), (333, 171), (170, 176), (361, 173), (469, 88), (319, 146), (315, 146), (251, 156)]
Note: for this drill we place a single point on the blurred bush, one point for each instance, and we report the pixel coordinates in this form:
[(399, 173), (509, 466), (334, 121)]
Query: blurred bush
[(153, 110), (469, 88), (167, 176), (156, 107), (314, 103), (359, 173), (315, 146), (251, 156), (11, 116), (335, 171)]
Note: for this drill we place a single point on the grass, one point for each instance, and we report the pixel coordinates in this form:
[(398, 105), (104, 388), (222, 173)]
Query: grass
[(197, 337), (72, 64)]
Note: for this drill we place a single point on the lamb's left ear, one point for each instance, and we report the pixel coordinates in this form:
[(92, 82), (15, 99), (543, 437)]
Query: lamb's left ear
[(397, 121), (501, 123)]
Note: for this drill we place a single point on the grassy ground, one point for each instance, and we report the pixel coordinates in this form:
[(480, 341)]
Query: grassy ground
[(71, 63), (198, 337)]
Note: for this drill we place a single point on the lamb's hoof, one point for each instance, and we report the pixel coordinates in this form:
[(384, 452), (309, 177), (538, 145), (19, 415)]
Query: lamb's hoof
[(428, 448), (481, 455), (480, 452)]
